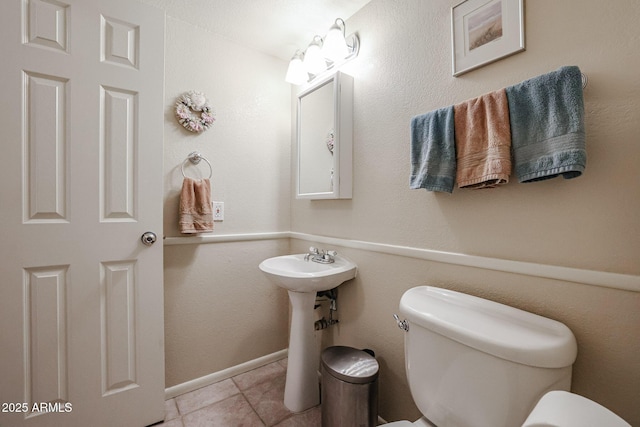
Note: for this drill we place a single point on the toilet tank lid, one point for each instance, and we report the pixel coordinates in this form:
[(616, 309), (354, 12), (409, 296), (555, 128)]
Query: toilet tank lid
[(491, 327)]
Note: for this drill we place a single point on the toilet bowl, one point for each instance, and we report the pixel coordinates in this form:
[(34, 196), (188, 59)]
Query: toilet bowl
[(563, 409), (422, 422)]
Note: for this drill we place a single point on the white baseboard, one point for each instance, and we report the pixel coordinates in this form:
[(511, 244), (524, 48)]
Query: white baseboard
[(197, 383)]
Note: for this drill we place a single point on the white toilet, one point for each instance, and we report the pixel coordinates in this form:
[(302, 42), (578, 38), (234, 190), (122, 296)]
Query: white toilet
[(472, 362)]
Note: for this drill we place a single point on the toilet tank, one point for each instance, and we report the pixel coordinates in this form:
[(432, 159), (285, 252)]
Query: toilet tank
[(473, 362)]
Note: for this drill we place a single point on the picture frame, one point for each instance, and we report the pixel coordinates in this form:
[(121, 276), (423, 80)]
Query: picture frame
[(484, 31)]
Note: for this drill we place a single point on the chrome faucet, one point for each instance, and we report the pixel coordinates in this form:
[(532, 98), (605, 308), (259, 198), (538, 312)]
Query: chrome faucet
[(312, 252), (320, 255)]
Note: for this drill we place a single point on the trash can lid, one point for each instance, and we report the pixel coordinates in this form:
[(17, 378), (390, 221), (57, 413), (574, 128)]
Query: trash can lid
[(350, 364)]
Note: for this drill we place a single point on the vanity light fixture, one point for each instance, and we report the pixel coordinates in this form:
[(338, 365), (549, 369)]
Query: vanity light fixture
[(322, 54)]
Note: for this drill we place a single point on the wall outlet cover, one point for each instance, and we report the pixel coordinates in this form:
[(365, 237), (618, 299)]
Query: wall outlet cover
[(218, 211)]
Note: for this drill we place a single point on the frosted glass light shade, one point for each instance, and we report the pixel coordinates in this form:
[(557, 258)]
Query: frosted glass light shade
[(335, 46), (296, 73), (314, 62)]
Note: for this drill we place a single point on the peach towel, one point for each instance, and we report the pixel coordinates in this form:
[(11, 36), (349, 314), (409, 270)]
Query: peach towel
[(483, 141), (196, 212)]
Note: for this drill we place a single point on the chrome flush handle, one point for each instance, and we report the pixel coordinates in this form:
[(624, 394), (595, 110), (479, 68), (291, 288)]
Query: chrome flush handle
[(402, 324)]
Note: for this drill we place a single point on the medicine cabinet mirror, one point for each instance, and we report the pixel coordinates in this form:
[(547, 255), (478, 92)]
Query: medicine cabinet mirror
[(325, 132)]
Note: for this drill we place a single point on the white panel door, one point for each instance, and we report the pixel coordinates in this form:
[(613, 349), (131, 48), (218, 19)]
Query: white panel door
[(81, 297)]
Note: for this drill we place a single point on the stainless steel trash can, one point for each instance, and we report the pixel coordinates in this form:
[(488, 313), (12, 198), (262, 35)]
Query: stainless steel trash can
[(349, 388)]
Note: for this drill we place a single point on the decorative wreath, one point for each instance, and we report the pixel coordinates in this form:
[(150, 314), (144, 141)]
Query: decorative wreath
[(188, 105)]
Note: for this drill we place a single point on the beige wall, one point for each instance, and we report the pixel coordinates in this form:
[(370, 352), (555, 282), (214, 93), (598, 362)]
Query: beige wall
[(588, 223), (248, 145), (404, 69), (217, 302), (220, 310), (604, 321)]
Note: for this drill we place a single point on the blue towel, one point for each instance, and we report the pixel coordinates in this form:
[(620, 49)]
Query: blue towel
[(433, 151), (547, 126)]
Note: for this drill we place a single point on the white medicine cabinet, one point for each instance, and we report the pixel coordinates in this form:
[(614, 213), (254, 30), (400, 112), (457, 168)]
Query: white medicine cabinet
[(325, 133)]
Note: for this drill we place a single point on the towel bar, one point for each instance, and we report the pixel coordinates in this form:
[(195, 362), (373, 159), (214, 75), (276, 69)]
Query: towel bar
[(194, 157)]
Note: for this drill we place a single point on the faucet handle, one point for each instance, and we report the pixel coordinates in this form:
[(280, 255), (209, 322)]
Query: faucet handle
[(313, 250), (332, 253)]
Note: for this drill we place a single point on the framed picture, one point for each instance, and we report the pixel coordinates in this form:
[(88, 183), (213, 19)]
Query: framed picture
[(483, 31)]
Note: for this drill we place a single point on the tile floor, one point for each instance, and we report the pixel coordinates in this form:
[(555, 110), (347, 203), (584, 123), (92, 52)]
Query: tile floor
[(252, 399)]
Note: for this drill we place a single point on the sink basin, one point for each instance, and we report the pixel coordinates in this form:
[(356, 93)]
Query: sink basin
[(293, 273), (302, 279)]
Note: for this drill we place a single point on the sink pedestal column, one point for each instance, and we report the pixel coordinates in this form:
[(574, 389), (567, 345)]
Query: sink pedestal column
[(302, 390)]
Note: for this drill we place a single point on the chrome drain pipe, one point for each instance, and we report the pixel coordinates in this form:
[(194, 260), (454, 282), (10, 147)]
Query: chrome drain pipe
[(324, 323)]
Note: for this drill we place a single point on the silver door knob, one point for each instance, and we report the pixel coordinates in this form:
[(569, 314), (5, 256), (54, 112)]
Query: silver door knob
[(149, 238)]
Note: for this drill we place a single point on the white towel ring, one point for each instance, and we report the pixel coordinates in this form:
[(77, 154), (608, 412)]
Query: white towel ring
[(194, 157)]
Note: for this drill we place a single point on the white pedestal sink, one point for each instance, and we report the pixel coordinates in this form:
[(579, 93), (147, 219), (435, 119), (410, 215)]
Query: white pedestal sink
[(302, 279)]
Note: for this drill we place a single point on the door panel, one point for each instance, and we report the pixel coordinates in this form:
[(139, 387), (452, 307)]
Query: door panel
[(81, 298)]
